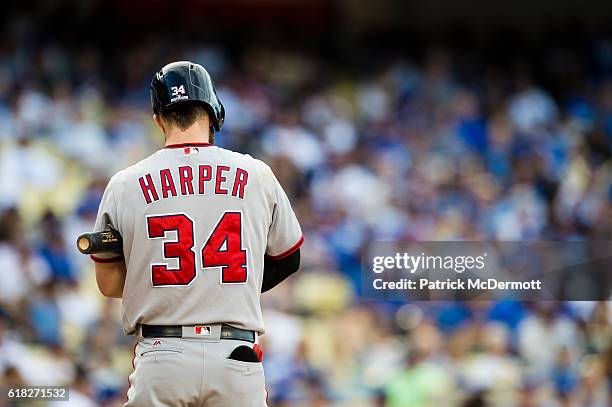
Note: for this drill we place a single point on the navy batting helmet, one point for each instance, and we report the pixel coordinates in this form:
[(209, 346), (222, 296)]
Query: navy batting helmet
[(186, 82)]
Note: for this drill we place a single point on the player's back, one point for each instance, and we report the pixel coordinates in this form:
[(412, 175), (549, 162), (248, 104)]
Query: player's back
[(197, 221)]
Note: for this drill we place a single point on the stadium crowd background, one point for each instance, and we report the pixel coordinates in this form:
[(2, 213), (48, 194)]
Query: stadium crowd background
[(440, 147)]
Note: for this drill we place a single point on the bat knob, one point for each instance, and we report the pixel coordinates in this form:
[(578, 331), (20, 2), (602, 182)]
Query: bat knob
[(83, 244)]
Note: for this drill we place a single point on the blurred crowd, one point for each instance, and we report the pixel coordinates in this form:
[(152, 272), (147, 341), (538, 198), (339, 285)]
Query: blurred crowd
[(412, 150)]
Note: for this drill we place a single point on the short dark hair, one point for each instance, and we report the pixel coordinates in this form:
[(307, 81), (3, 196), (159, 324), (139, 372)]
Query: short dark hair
[(183, 115)]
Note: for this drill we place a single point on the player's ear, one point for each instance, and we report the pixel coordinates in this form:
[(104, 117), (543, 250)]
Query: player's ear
[(159, 123)]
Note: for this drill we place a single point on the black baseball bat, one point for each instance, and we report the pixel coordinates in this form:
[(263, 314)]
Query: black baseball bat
[(100, 242)]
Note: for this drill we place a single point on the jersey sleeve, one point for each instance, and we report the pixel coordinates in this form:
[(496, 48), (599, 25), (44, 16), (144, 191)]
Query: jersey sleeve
[(107, 215), (285, 235)]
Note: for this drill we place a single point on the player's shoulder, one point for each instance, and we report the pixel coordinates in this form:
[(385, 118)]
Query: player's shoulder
[(262, 171), (135, 170), (234, 155), (244, 159)]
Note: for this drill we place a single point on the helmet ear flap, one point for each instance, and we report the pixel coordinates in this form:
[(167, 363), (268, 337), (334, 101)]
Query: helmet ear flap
[(221, 117), (216, 116)]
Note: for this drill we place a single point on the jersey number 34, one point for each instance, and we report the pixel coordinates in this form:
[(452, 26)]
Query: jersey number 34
[(223, 248)]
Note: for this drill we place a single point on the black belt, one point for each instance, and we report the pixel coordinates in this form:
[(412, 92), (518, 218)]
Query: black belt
[(176, 331)]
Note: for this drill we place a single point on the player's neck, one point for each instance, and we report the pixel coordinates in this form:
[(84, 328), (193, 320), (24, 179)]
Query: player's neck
[(194, 134)]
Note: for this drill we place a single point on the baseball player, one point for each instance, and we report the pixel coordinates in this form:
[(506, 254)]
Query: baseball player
[(205, 231)]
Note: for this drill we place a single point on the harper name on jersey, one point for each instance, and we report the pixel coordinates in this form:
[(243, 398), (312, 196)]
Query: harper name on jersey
[(190, 180)]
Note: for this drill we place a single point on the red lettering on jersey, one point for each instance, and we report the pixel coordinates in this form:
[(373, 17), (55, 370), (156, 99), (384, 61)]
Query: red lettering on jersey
[(167, 183), (205, 174), (148, 188), (181, 249), (221, 178), (186, 179), (239, 183), (224, 249)]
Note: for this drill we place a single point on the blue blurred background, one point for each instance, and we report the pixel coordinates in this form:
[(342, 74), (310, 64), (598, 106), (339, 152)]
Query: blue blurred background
[(394, 120)]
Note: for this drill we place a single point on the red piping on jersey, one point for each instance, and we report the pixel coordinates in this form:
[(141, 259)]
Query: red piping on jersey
[(289, 251), (188, 145), (104, 260)]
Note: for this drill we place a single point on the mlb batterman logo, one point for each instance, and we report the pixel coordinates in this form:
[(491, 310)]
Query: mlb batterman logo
[(202, 330), (191, 151)]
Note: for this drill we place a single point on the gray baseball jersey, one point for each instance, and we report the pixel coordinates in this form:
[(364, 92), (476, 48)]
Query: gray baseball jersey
[(197, 221)]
